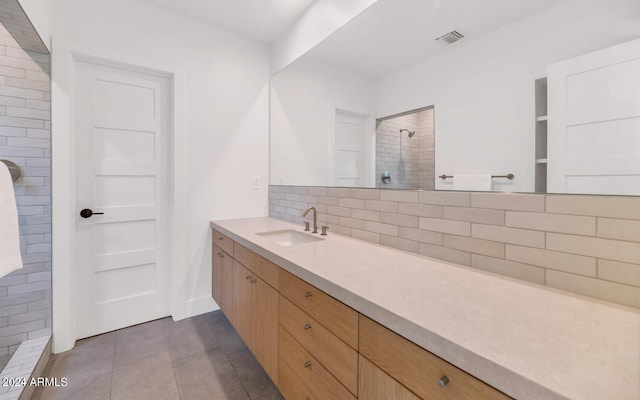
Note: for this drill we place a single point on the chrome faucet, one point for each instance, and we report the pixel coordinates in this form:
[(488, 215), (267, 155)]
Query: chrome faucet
[(315, 218)]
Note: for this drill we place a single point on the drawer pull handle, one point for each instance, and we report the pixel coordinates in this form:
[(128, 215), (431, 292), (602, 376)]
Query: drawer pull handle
[(308, 294), (220, 238), (253, 281), (307, 364), (247, 277), (307, 326), (218, 254), (444, 381)]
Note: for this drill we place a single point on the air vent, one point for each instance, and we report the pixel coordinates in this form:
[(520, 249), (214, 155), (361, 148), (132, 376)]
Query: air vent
[(450, 38)]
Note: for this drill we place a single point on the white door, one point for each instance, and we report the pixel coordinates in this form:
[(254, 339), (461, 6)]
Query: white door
[(350, 154), (594, 122), (121, 129)]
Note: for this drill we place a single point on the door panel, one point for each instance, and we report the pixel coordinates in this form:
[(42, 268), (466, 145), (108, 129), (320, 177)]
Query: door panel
[(350, 148), (121, 135), (594, 120)]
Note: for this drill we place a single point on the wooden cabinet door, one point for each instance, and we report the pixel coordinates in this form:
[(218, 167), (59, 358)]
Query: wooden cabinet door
[(266, 334), (222, 285), (244, 309), (216, 272)]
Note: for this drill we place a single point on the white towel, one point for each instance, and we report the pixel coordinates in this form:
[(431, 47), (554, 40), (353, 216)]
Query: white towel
[(476, 182), (10, 258)]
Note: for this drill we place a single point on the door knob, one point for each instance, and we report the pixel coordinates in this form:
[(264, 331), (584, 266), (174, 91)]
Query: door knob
[(87, 213)]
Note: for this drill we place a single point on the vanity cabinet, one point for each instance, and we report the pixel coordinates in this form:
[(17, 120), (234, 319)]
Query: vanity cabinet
[(423, 373), (222, 272), (247, 300), (315, 347), (255, 309)]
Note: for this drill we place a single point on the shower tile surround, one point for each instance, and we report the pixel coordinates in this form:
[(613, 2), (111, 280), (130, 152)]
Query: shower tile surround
[(583, 244), (410, 161), (25, 294)]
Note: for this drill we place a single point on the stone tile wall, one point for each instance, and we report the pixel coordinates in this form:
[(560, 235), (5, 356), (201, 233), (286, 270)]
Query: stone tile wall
[(410, 161), (25, 138), (583, 244)]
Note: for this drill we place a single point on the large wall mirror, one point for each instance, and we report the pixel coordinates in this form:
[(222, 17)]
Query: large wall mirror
[(412, 90)]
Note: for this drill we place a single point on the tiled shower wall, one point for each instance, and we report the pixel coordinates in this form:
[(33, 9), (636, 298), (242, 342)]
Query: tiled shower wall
[(410, 161), (583, 244), (25, 294)]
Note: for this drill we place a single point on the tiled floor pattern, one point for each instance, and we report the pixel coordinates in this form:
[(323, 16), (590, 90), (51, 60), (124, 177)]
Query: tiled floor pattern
[(194, 359)]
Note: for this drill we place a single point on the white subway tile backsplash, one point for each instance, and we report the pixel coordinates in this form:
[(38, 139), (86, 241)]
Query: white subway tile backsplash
[(509, 268), (598, 206), (339, 211), (616, 250), (615, 271), (508, 234), (421, 210), (598, 288), (503, 234), (379, 205), (408, 196), (572, 263), (410, 221), (385, 229), (461, 199), (365, 235), (478, 215), (508, 201), (573, 224), (446, 226), (419, 235), (366, 215), (351, 203), (444, 253), (400, 244), (476, 246), (619, 229)]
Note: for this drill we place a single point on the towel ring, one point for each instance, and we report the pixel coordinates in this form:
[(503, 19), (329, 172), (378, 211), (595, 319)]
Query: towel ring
[(14, 170)]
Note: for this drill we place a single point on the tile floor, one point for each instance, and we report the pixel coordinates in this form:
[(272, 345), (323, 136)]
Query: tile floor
[(194, 359)]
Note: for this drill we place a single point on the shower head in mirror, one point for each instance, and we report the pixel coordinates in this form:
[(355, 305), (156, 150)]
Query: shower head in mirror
[(410, 133)]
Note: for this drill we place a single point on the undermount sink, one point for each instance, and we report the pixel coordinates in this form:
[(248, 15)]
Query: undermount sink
[(289, 237)]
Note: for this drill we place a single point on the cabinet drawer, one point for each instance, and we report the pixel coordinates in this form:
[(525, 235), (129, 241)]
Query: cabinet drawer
[(334, 315), (335, 355), (262, 267), (290, 386), (309, 371), (223, 242), (418, 369), (375, 384)]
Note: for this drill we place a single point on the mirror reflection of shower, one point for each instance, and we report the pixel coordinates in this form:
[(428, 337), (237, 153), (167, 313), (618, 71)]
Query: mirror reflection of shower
[(408, 157), (409, 133)]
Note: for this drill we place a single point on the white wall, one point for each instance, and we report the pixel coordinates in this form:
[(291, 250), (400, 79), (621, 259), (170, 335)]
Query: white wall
[(39, 13), (303, 103), (319, 21), (483, 90), (226, 106)]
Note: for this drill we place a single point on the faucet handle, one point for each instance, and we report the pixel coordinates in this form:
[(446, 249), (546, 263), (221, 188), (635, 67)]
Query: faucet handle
[(324, 230), (306, 225)]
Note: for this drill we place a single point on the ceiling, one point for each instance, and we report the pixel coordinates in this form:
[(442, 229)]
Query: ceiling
[(395, 33), (261, 20)]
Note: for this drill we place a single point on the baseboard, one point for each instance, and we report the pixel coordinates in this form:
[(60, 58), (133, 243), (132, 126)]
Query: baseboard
[(201, 305)]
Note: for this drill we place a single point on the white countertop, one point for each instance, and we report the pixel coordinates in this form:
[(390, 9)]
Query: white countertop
[(528, 341)]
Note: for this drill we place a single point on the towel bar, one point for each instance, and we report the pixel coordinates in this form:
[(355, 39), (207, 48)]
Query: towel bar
[(508, 176), (14, 170)]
